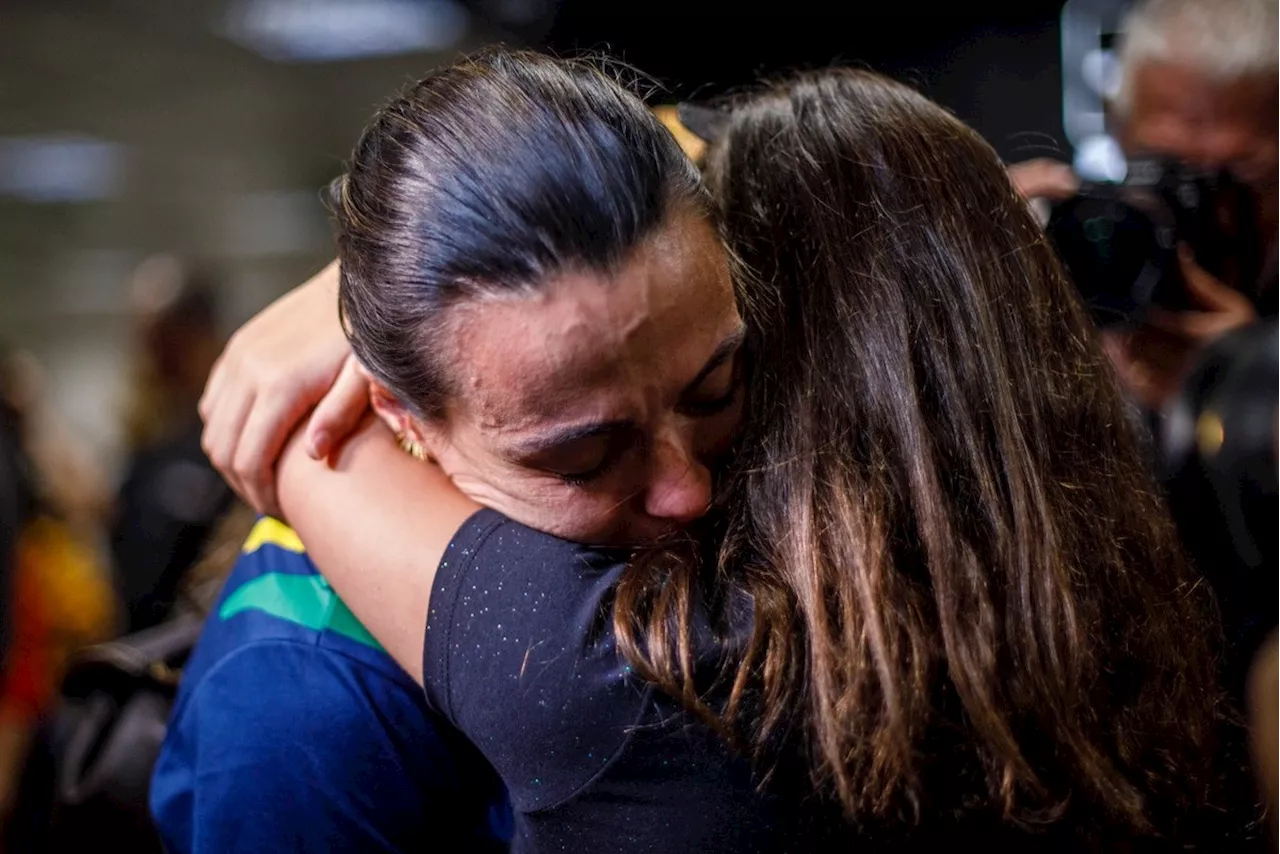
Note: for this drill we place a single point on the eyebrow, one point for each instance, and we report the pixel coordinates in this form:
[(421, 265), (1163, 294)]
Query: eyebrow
[(558, 436)]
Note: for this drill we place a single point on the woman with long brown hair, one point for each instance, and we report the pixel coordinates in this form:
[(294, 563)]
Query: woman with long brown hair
[(936, 599), (937, 491)]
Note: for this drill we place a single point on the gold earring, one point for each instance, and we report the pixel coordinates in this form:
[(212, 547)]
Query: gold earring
[(412, 447)]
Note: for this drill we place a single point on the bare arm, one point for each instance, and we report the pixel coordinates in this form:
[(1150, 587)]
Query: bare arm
[(377, 523)]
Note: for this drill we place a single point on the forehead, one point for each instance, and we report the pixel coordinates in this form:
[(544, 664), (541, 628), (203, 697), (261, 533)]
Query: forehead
[(588, 341), (1185, 101)]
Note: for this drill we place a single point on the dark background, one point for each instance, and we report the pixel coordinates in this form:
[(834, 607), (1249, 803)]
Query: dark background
[(997, 65)]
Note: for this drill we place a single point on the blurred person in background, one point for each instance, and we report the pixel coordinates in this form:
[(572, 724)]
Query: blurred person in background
[(59, 594), (70, 475), (1198, 85), (17, 504), (170, 497), (1264, 723), (16, 499)]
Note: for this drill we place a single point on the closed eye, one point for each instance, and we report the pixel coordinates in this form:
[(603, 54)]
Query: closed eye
[(714, 406), (706, 403)]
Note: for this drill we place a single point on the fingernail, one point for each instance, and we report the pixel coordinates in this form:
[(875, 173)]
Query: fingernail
[(319, 447)]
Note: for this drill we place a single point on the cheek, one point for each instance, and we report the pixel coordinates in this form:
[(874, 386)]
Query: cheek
[(582, 516), (533, 499), (488, 480)]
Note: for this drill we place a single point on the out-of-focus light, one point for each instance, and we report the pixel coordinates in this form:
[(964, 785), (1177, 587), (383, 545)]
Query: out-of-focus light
[(1099, 158), (330, 30), (1101, 70), (59, 168), (1210, 434)]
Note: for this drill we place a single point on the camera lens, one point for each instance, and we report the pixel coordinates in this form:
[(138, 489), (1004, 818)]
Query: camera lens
[(1110, 248)]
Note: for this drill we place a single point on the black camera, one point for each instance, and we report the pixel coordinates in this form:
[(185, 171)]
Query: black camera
[(1119, 241)]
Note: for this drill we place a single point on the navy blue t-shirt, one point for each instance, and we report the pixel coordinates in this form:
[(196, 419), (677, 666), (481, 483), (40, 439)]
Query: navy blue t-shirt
[(293, 730), (520, 656)]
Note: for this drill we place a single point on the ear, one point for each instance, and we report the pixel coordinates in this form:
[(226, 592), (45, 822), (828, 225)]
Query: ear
[(706, 123), (414, 436)]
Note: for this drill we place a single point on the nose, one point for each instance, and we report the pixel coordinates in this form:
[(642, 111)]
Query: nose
[(679, 486)]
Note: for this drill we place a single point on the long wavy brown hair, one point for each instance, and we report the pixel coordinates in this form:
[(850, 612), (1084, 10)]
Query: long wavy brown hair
[(968, 596)]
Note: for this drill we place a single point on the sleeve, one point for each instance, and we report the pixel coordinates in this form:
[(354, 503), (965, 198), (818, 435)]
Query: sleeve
[(520, 657), (284, 746)]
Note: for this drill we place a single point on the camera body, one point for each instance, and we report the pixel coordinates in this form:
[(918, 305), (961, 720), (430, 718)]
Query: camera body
[(1119, 241)]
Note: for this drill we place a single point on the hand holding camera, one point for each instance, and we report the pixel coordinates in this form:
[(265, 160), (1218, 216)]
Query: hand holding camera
[(1152, 358), (1162, 260)]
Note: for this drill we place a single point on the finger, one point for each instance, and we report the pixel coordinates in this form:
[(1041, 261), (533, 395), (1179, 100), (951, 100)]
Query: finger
[(1194, 327), (1044, 179), (271, 421), (1148, 364), (1207, 291), (340, 412), (213, 386), (224, 367), (222, 434), (1119, 349)]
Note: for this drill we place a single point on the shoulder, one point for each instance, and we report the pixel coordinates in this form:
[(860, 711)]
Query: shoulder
[(284, 743), (534, 576), (274, 695), (278, 623), (275, 592), (488, 534), (515, 594), (519, 656), (287, 701), (294, 715)]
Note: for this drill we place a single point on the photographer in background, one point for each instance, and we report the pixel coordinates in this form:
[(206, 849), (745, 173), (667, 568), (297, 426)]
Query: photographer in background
[(1198, 86), (1186, 248)]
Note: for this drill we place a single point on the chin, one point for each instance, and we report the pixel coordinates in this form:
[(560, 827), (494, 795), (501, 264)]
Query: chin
[(625, 532), (632, 534)]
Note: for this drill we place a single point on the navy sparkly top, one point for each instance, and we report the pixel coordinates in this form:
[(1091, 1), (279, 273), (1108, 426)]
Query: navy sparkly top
[(521, 658)]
